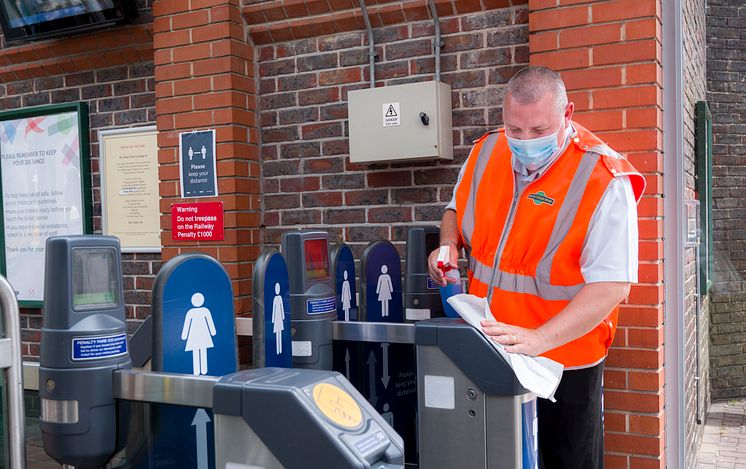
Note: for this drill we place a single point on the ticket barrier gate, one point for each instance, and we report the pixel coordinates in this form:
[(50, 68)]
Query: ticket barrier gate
[(459, 381), (472, 411), (464, 386), (454, 393), (275, 417), (272, 417)]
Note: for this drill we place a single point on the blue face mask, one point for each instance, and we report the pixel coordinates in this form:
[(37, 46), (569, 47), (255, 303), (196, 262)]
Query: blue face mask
[(533, 153)]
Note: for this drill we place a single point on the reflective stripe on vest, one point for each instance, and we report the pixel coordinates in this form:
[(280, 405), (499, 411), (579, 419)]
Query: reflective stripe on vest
[(539, 285), (485, 151)]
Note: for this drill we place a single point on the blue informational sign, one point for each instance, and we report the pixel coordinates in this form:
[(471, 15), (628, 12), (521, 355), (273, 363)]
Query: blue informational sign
[(389, 370), (530, 435), (321, 305), (277, 341), (92, 348), (194, 333), (197, 164)]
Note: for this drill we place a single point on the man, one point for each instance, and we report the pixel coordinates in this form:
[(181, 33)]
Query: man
[(553, 209)]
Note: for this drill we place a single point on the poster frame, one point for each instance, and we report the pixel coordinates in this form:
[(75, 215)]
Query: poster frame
[(81, 108), (128, 131)]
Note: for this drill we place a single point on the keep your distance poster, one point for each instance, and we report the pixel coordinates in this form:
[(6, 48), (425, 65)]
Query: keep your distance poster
[(43, 191)]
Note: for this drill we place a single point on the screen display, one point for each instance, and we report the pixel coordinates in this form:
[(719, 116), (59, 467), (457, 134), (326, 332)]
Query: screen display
[(317, 259), (432, 242), (30, 12), (94, 279)]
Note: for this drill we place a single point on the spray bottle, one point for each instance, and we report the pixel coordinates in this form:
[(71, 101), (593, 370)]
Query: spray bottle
[(451, 272)]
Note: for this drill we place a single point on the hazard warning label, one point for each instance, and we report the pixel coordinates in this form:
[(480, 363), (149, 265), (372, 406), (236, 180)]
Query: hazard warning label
[(391, 114)]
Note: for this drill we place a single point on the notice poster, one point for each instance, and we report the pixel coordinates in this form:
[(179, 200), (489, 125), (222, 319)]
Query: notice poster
[(197, 165), (197, 221), (129, 180), (42, 192)]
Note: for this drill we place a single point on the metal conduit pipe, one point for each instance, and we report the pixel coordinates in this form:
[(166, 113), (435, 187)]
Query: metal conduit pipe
[(436, 45), (371, 45)]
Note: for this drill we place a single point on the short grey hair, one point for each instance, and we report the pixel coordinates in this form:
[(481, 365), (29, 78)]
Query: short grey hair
[(530, 84)]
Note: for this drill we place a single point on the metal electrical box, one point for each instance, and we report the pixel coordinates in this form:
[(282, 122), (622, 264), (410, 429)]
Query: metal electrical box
[(410, 122)]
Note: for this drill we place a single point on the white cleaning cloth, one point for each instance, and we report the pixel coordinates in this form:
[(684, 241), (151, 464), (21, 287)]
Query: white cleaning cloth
[(539, 375)]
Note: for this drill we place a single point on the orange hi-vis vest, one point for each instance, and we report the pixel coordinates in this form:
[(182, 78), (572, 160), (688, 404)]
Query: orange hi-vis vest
[(536, 238)]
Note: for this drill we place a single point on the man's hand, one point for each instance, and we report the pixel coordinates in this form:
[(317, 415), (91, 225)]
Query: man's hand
[(591, 305), (432, 266), (516, 339), (448, 234)]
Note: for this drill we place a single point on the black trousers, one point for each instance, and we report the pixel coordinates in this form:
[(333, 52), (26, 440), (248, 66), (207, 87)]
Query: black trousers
[(571, 434)]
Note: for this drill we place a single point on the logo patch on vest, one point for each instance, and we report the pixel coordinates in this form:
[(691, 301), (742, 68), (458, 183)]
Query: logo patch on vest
[(541, 198)]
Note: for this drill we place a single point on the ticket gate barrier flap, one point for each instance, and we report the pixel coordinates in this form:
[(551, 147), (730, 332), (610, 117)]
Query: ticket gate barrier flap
[(275, 418), (84, 340), (347, 354), (193, 320), (312, 298), (271, 340), (343, 273), (467, 385), (380, 276), (194, 334), (421, 294), (348, 362), (389, 370)]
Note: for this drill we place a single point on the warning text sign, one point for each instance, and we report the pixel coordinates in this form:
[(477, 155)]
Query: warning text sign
[(92, 348), (199, 221), (391, 114)]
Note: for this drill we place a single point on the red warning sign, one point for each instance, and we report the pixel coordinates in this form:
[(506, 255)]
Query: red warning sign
[(198, 221)]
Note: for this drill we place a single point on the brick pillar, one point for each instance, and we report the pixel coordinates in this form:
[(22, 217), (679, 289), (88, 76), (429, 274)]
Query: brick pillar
[(204, 73), (609, 54)]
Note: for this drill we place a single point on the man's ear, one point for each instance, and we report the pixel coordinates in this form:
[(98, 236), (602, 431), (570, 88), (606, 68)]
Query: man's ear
[(569, 110)]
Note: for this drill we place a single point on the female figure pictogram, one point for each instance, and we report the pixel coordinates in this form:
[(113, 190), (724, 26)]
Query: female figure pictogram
[(384, 290), (278, 318), (346, 297), (198, 331)]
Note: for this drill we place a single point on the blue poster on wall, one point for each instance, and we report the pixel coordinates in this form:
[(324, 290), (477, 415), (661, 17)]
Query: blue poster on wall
[(198, 168)]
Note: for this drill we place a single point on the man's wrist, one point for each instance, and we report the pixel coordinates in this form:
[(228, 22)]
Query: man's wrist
[(449, 242)]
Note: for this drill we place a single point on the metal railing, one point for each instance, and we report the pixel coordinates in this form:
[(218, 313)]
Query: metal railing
[(11, 363), (362, 331), (148, 386)]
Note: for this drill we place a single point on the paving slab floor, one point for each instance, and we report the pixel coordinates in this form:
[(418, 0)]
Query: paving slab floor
[(724, 442)]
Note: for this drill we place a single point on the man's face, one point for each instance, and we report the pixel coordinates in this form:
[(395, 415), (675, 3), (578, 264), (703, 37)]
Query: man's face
[(539, 119)]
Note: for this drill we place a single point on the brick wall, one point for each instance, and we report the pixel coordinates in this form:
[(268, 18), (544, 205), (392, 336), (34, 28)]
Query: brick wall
[(308, 180), (115, 79), (204, 73), (694, 84), (609, 54), (726, 55)]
